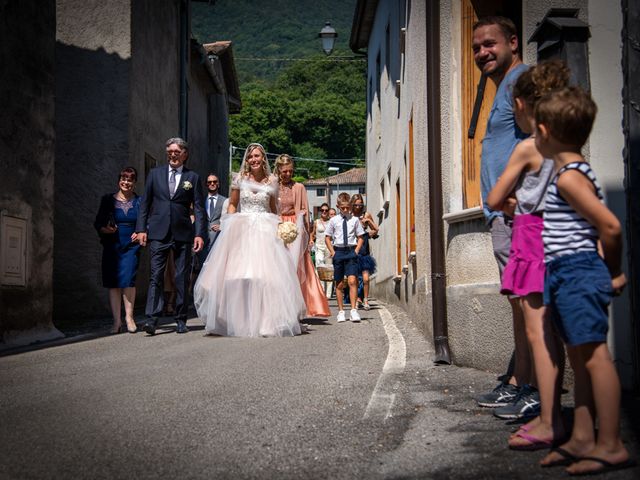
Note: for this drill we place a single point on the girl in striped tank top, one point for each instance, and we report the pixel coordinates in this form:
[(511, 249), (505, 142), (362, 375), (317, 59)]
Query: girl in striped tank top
[(527, 174), (579, 282)]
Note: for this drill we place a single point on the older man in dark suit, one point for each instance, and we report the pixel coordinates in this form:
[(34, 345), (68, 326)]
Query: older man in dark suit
[(164, 221)]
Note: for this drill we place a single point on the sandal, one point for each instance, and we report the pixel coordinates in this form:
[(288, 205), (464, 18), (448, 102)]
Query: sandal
[(606, 466), (567, 458), (533, 443), (131, 326)]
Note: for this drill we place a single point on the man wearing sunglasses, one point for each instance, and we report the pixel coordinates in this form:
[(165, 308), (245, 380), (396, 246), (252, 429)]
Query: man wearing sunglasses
[(213, 207)]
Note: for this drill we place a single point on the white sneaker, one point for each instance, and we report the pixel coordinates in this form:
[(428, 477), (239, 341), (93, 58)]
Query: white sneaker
[(355, 316), (341, 318)]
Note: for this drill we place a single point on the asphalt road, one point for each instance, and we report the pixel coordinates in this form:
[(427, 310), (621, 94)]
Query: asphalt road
[(347, 401)]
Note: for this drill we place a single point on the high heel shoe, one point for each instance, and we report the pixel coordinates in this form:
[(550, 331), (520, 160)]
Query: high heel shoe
[(115, 330), (131, 326)]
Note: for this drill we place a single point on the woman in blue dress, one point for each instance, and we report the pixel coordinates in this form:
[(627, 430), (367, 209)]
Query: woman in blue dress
[(115, 223)]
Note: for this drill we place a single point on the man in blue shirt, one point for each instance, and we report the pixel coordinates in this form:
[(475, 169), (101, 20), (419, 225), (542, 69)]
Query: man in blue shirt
[(495, 50)]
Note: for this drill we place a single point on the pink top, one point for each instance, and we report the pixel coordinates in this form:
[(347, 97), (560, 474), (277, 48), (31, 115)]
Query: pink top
[(292, 199)]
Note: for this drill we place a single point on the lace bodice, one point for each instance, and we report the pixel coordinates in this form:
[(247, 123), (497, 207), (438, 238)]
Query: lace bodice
[(254, 197)]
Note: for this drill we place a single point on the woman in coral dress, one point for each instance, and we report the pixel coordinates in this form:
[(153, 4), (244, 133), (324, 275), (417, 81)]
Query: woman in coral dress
[(294, 207)]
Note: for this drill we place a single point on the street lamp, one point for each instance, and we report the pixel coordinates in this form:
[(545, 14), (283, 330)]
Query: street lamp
[(328, 35)]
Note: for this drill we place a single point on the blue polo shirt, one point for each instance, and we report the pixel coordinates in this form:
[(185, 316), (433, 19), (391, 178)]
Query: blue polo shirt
[(501, 137)]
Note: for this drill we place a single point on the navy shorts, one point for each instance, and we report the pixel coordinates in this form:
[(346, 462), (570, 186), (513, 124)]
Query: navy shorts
[(577, 291), (345, 262)]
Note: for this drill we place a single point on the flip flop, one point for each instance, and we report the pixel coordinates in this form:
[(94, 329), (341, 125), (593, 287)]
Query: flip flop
[(606, 466), (535, 443), (523, 428), (567, 458)]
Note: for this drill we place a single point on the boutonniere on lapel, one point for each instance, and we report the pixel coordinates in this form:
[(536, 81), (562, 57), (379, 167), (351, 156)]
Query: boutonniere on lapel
[(186, 185)]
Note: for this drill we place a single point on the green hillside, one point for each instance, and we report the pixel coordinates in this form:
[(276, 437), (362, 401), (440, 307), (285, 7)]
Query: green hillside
[(311, 107), (272, 29)]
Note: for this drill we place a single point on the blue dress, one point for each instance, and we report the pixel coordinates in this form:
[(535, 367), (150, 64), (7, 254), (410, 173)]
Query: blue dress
[(120, 255), (365, 261)]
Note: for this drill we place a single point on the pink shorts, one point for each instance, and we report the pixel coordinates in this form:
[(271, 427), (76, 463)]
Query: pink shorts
[(524, 272)]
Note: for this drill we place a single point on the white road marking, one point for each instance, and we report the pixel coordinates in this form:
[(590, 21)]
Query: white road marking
[(382, 398)]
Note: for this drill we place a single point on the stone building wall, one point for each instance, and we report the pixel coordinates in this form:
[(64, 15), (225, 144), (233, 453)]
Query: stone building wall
[(27, 140), (93, 65)]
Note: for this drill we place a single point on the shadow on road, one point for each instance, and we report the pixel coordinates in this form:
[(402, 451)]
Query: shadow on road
[(92, 329)]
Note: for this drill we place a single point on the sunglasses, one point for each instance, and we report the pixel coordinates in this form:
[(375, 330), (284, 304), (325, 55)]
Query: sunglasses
[(324, 209), (209, 182), (358, 204)]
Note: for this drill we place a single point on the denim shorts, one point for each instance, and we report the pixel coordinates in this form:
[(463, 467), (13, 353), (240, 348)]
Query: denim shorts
[(577, 290), (345, 262)]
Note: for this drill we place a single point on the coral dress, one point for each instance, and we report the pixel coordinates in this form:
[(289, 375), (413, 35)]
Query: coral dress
[(248, 285), (293, 207)]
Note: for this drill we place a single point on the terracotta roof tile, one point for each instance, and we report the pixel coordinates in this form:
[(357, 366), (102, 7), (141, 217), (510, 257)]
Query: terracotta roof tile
[(350, 177)]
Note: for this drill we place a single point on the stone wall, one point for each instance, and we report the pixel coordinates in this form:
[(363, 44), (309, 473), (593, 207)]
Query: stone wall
[(27, 140), (93, 63)]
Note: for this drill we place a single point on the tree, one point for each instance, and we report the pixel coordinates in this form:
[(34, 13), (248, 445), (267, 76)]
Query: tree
[(314, 109)]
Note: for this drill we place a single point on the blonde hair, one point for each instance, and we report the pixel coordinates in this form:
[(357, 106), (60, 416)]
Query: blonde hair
[(265, 165), (281, 161), (344, 197)]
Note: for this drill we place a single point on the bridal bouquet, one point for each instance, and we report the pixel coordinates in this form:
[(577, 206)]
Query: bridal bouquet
[(288, 232)]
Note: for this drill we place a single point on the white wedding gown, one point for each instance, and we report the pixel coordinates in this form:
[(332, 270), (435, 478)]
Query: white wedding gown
[(248, 285)]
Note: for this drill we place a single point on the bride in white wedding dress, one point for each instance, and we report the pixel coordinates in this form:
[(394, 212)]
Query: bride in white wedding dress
[(248, 285)]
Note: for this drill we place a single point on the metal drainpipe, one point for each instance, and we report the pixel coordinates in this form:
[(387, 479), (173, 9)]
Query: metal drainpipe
[(438, 270), (184, 52)]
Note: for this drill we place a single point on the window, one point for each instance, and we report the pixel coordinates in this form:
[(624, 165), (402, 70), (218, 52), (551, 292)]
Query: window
[(398, 230), (378, 78), (411, 201), (383, 197), (149, 163), (320, 192), (387, 51), (376, 117), (362, 190)]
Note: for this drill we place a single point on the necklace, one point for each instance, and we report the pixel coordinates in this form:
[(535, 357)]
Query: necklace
[(122, 197)]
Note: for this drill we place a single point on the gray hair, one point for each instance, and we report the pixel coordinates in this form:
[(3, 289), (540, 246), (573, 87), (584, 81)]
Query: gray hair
[(180, 142)]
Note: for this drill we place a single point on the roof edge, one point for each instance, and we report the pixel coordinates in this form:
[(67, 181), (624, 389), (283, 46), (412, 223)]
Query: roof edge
[(362, 24)]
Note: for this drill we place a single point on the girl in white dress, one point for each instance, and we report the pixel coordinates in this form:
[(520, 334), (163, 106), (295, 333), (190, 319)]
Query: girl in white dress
[(248, 285)]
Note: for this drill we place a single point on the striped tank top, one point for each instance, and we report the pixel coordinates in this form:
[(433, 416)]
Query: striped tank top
[(565, 231)]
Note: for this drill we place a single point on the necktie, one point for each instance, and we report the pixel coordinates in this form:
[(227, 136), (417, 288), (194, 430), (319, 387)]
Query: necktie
[(345, 236), (172, 182), (212, 205)]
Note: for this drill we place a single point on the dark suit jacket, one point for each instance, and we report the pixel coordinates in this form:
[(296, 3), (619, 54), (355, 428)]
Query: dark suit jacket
[(160, 214), (215, 218)]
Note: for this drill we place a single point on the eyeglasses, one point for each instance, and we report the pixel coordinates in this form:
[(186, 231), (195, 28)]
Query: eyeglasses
[(358, 204), (324, 210), (209, 182)]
